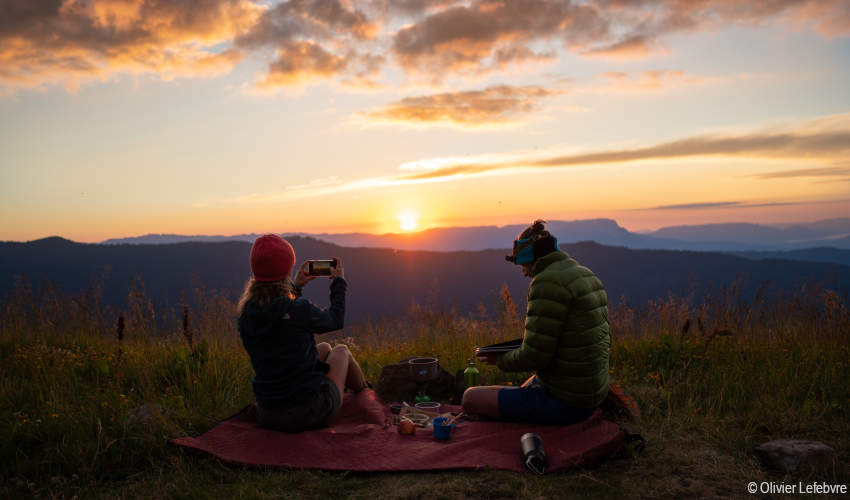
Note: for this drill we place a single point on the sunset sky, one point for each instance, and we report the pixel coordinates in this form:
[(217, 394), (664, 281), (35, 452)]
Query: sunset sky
[(127, 117)]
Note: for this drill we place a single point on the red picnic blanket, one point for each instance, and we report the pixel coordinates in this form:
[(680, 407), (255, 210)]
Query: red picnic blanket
[(364, 439)]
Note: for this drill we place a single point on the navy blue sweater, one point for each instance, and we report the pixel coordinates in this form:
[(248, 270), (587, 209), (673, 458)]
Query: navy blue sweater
[(279, 339)]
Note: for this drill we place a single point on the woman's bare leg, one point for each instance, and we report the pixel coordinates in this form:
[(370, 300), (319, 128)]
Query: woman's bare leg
[(345, 373), (338, 358), (482, 400), (355, 380), (324, 349)]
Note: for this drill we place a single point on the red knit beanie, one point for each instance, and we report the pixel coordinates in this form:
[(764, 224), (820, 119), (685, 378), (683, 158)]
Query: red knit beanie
[(272, 258)]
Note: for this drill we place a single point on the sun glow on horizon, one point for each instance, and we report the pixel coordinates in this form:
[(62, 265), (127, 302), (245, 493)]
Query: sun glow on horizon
[(408, 221)]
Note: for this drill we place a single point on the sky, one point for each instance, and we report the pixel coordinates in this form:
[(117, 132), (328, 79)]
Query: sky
[(127, 117)]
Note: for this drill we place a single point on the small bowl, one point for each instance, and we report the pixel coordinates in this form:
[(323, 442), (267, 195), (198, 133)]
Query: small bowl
[(442, 432), (419, 419), (432, 407)]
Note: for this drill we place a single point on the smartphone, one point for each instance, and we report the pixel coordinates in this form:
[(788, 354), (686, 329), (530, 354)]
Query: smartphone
[(320, 267)]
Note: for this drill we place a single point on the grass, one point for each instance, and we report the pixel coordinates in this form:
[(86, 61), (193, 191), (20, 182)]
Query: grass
[(86, 411)]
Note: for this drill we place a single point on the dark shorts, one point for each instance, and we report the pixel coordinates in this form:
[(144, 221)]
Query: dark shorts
[(533, 404), (317, 412)]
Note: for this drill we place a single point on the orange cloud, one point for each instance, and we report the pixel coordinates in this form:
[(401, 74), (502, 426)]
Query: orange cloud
[(299, 61), (468, 109), (466, 38), (831, 18), (637, 47), (77, 40), (72, 41), (807, 172), (721, 204), (313, 41), (646, 81), (470, 38)]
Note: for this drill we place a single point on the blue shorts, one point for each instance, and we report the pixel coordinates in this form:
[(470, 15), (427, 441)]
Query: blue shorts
[(533, 404)]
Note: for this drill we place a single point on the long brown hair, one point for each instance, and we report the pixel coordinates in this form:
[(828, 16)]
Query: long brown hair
[(262, 293)]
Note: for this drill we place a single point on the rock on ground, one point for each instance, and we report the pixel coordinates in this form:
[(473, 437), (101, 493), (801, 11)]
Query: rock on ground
[(796, 456)]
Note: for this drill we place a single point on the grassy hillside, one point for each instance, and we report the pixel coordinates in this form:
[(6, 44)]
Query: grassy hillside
[(87, 412)]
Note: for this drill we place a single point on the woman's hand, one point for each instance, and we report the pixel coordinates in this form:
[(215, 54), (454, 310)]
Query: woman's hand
[(337, 271), (303, 276), (489, 358)]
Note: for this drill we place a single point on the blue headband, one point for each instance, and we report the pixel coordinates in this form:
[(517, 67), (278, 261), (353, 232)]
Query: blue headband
[(527, 255)]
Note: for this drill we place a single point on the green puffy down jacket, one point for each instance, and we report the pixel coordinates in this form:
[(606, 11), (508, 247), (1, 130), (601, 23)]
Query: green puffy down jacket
[(567, 338)]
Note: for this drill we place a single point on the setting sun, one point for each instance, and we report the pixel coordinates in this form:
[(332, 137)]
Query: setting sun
[(408, 221)]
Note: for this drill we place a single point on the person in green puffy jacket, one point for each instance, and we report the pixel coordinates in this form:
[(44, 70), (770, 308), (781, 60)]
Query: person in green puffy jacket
[(566, 342)]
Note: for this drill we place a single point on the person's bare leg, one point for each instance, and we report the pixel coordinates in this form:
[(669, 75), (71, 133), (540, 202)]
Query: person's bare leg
[(324, 349), (355, 380), (338, 358), (482, 400)]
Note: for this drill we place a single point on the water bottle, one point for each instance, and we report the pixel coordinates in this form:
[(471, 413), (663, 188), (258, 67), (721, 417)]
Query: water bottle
[(533, 454), (470, 375)]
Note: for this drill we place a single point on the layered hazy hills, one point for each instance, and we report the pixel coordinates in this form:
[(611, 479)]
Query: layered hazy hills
[(732, 237), (385, 282), (831, 232)]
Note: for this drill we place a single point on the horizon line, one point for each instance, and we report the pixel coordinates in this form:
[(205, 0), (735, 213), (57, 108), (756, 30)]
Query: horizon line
[(642, 232)]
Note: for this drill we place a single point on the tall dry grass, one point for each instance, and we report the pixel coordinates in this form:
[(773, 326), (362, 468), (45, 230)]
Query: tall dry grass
[(93, 392)]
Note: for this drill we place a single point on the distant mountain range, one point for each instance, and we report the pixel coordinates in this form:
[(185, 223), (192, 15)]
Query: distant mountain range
[(385, 282), (819, 254), (731, 237)]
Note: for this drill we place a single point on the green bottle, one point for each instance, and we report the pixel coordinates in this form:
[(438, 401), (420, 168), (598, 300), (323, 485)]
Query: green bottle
[(470, 375)]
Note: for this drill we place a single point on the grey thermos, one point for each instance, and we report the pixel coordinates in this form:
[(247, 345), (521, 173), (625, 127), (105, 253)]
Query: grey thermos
[(533, 454)]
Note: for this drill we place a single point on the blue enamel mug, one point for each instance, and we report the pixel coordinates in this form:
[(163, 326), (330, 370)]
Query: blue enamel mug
[(441, 431)]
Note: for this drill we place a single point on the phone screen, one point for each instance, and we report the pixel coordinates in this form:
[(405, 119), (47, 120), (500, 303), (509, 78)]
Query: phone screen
[(321, 267)]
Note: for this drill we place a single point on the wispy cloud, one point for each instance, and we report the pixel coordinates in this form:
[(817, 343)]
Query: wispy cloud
[(637, 47), (492, 106), (803, 142), (719, 204), (646, 81), (806, 172), (825, 139), (696, 206)]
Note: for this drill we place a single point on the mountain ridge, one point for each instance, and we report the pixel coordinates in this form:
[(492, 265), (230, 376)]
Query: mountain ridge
[(736, 236), (385, 282)]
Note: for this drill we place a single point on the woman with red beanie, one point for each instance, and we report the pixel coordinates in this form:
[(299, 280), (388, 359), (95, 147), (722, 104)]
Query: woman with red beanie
[(298, 385)]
